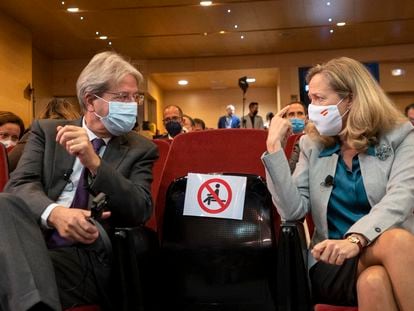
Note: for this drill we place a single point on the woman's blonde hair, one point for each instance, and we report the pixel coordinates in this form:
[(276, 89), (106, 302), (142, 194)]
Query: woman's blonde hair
[(59, 108), (371, 113)]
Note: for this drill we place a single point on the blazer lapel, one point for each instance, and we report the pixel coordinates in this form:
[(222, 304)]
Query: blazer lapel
[(115, 151), (63, 162)]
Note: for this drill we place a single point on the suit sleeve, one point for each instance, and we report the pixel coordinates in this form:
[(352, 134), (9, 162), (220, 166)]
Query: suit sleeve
[(128, 186)]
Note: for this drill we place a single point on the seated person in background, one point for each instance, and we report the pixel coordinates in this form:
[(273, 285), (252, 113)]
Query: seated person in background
[(269, 117), (173, 122), (188, 123), (57, 108), (11, 129), (409, 113), (64, 164), (356, 176), (146, 130), (297, 114), (229, 120), (252, 119), (199, 125)]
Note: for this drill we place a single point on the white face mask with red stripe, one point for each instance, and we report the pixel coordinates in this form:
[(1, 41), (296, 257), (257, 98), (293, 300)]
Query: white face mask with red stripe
[(327, 119)]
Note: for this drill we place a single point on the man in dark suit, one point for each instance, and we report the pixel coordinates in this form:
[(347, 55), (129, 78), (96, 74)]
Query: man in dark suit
[(230, 120), (52, 256)]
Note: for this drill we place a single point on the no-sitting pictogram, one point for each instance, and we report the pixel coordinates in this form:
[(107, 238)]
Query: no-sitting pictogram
[(214, 196)]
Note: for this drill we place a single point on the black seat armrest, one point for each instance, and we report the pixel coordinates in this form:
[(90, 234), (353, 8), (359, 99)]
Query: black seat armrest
[(293, 290)]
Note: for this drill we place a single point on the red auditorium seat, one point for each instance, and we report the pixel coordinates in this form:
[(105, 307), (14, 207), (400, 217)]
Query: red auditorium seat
[(157, 170), (237, 150), (4, 167), (322, 307)]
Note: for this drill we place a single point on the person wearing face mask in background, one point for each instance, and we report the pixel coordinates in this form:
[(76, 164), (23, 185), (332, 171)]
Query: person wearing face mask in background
[(296, 113), (11, 129), (252, 119), (355, 175), (65, 164), (173, 122)]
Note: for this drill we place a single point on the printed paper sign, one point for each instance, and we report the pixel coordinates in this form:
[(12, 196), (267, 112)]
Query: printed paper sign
[(220, 196)]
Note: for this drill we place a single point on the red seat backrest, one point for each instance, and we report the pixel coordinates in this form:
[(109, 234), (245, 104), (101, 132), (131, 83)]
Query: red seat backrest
[(4, 167), (210, 151), (157, 169)]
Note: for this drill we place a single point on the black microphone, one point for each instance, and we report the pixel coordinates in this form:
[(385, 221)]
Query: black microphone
[(328, 182), (67, 174)]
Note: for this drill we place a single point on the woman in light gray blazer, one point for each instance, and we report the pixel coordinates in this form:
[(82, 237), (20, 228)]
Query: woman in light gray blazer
[(355, 175)]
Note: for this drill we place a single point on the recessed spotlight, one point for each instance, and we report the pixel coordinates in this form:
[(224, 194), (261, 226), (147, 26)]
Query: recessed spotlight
[(328, 3), (110, 43), (340, 24), (330, 19), (72, 10), (242, 37), (206, 3), (81, 18), (228, 11), (205, 34), (103, 37), (97, 33), (236, 26), (183, 82), (396, 72), (63, 2), (331, 30), (222, 32), (250, 80)]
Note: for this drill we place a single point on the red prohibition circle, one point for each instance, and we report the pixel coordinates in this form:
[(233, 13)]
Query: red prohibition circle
[(223, 206)]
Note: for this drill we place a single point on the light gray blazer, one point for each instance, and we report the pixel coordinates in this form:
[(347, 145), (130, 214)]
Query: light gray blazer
[(388, 179)]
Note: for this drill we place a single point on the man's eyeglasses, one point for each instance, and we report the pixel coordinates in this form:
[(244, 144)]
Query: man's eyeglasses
[(4, 135), (175, 119), (126, 97)]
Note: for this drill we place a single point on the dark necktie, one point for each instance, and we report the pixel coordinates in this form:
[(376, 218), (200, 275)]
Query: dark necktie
[(80, 200)]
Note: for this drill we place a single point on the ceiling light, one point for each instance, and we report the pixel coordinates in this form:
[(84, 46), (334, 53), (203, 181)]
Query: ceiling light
[(206, 3), (340, 24), (396, 72), (228, 11), (63, 2), (328, 3), (183, 82), (72, 10), (110, 43), (103, 37), (222, 32), (236, 26), (250, 80), (330, 19), (205, 34), (331, 30), (81, 17), (242, 37), (97, 33)]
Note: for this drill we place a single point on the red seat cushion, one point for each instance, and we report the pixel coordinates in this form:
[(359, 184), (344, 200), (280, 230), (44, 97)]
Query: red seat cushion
[(85, 308), (322, 307)]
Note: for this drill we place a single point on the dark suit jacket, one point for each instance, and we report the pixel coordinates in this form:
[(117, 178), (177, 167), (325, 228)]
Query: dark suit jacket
[(235, 122), (125, 174)]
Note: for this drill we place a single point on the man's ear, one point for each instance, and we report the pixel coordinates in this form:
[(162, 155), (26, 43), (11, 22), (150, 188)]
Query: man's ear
[(89, 99)]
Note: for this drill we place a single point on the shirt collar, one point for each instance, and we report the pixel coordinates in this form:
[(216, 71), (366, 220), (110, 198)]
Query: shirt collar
[(92, 135), (328, 151)]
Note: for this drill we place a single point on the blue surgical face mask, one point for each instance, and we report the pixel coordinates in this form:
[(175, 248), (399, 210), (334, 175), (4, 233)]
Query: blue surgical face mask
[(121, 117), (298, 125)]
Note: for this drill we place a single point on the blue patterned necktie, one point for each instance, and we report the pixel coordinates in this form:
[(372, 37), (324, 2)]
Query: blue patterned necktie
[(80, 200)]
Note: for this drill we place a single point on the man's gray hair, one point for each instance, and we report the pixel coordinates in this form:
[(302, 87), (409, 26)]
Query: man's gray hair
[(104, 70)]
